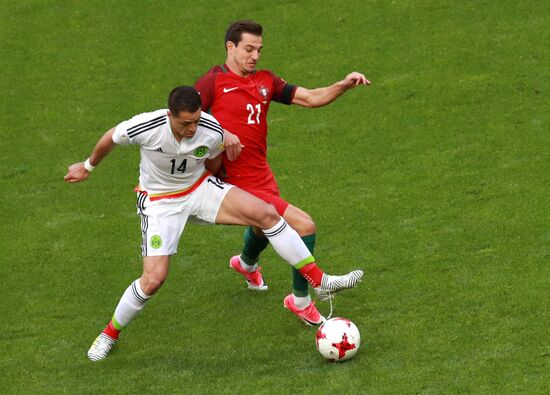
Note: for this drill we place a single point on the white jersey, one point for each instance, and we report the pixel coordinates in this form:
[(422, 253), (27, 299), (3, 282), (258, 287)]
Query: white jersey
[(169, 167)]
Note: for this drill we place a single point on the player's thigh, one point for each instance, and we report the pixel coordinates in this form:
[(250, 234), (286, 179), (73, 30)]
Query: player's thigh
[(162, 224), (208, 200), (241, 208), (272, 198), (277, 201), (299, 220)]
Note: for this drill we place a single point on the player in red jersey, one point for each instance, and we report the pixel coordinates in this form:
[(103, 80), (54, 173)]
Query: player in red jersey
[(239, 96)]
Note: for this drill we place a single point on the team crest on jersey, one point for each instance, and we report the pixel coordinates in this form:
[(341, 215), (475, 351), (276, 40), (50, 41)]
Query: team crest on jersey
[(201, 151), (264, 92)]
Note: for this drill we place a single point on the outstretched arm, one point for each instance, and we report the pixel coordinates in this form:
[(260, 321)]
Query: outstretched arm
[(322, 96), (77, 172)]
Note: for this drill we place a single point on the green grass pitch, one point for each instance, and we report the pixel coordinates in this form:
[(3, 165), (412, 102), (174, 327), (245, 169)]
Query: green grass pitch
[(435, 180)]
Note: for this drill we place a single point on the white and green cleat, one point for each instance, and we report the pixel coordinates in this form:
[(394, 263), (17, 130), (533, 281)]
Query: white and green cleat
[(332, 284), (101, 347)]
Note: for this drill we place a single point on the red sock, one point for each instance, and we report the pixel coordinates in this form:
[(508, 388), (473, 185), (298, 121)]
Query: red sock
[(111, 331), (312, 274)]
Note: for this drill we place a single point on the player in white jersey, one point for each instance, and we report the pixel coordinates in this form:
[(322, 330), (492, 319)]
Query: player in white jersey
[(172, 169), (169, 166), (174, 186)]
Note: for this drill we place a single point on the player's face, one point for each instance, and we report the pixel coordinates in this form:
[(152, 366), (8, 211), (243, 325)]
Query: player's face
[(243, 58), (184, 124)]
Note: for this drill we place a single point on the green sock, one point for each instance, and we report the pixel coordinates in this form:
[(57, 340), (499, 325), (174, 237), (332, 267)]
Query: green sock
[(299, 283), (253, 246)]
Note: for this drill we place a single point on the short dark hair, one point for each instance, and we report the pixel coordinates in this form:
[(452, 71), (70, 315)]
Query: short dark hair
[(184, 98), (236, 29)]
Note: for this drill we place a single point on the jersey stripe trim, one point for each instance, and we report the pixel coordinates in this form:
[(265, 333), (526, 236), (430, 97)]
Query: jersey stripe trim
[(180, 192), (211, 123), (145, 123), (146, 128), (207, 126)]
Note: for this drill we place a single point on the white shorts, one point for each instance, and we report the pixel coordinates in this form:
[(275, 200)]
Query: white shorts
[(163, 221)]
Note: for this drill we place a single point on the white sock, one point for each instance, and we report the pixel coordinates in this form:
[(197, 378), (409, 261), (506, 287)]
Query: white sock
[(132, 302), (288, 245), (302, 301), (247, 267)]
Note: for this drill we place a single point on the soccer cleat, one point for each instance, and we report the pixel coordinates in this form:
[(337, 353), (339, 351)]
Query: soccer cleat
[(254, 279), (332, 284), (310, 315), (101, 347)]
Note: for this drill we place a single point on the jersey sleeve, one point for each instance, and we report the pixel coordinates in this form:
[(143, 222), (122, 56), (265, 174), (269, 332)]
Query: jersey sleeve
[(283, 92), (206, 86), (120, 136), (134, 130), (209, 122), (218, 148)]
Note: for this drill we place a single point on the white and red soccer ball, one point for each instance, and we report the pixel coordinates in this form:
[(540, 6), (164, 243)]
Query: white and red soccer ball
[(338, 339)]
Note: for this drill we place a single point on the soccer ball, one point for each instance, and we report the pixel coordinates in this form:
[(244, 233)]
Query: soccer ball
[(338, 339)]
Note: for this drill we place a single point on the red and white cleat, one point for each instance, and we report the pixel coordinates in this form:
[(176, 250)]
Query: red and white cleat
[(254, 279), (310, 315)]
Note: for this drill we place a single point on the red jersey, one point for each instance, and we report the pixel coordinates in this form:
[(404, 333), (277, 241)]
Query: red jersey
[(240, 105)]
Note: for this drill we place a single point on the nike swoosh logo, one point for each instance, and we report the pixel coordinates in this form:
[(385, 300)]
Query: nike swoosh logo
[(225, 90)]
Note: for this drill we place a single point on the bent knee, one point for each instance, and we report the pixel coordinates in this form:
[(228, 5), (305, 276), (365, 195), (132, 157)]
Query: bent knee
[(150, 284), (300, 221), (304, 227), (266, 215), (309, 228)]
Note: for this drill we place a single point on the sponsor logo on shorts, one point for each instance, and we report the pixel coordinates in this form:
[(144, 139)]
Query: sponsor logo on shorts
[(156, 241)]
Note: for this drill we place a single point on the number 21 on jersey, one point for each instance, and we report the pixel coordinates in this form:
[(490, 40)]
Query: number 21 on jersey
[(254, 113)]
